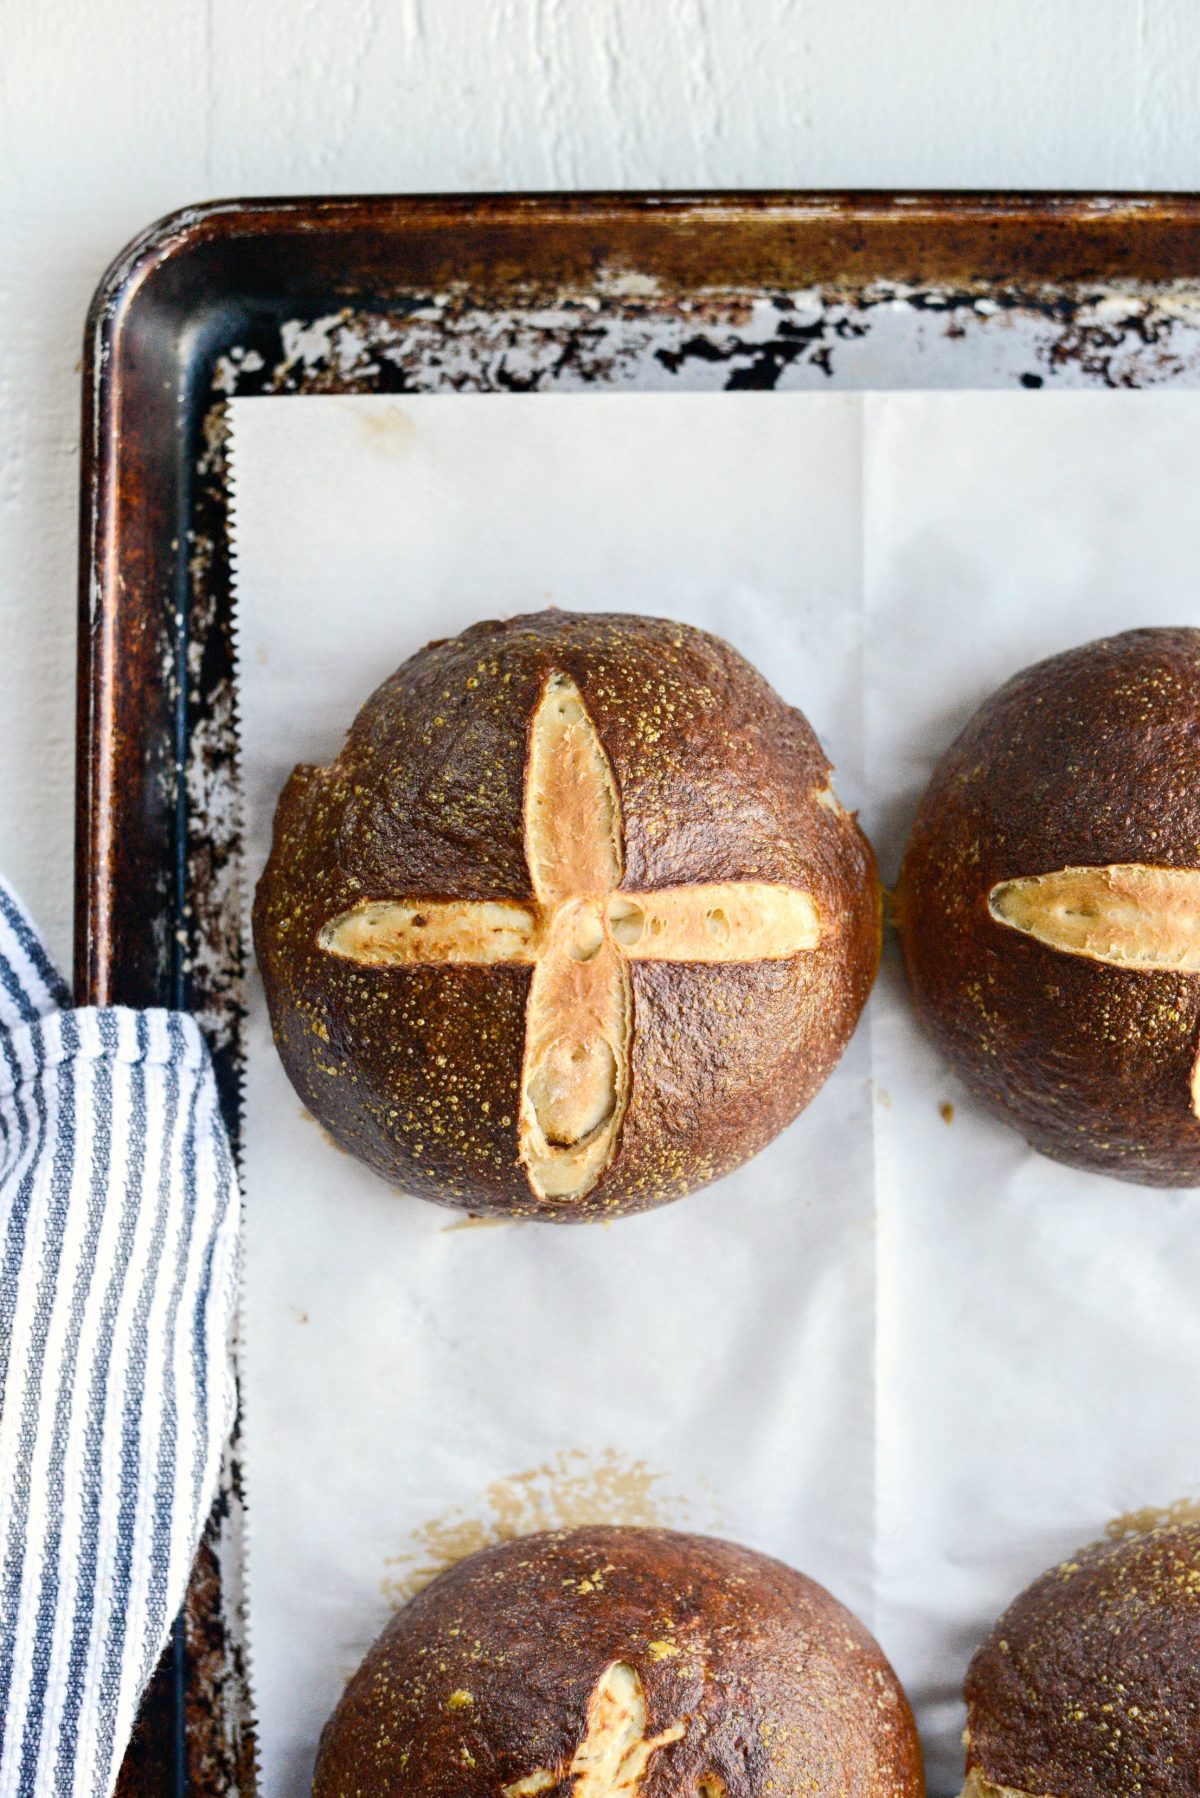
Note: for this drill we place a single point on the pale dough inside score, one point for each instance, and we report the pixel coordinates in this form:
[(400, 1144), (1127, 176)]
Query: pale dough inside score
[(579, 935), (1126, 915), (615, 1751)]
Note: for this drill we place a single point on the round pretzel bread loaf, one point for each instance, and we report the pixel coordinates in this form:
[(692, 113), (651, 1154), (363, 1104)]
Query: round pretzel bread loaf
[(1088, 1685), (1049, 905), (622, 1663), (572, 925)]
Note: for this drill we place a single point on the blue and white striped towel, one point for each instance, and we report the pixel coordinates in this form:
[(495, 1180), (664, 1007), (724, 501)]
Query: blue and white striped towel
[(118, 1258)]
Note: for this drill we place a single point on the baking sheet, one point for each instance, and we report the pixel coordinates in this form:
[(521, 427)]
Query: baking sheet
[(899, 1352)]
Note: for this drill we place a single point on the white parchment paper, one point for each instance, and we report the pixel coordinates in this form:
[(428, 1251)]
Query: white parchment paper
[(903, 1354)]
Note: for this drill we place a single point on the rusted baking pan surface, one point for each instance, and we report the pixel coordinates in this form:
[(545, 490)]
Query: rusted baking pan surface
[(496, 293)]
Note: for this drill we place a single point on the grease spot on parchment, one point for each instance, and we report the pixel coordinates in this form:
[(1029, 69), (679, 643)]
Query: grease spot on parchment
[(571, 1489), (386, 430), (1151, 1517)]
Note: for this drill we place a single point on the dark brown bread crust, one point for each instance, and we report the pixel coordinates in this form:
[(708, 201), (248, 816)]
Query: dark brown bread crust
[(486, 1677), (1088, 759), (417, 1070), (1089, 1685)]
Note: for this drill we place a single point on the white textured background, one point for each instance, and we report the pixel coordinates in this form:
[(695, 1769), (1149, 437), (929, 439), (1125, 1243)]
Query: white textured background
[(113, 114)]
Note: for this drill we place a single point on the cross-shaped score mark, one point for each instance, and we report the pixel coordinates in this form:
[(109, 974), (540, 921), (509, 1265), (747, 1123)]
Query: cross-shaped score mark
[(615, 1751), (579, 933), (1126, 915)]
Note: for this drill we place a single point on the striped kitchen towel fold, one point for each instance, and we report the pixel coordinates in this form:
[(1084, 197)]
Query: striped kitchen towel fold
[(118, 1264)]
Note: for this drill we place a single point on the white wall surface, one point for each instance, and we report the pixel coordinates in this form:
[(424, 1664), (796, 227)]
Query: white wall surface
[(113, 114)]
